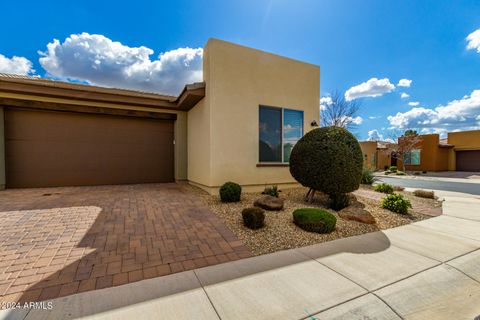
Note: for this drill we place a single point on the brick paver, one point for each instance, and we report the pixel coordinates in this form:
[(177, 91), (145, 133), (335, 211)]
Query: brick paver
[(60, 241)]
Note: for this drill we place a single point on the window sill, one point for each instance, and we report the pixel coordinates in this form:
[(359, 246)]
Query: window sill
[(272, 164)]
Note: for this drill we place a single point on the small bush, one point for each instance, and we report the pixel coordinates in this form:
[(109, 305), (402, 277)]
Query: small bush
[(253, 218), (396, 203), (400, 173), (417, 173), (393, 169), (368, 177), (398, 188), (230, 192), (387, 173), (424, 172), (339, 201), (271, 191), (384, 187), (314, 220), (424, 194)]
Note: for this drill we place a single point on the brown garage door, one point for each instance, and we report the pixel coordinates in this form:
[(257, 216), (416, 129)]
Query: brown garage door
[(45, 149), (468, 160)]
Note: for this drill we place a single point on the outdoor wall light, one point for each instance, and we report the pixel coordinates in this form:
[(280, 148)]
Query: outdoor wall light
[(314, 123)]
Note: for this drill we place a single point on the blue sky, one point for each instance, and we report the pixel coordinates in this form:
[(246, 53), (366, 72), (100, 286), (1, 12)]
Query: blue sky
[(352, 41)]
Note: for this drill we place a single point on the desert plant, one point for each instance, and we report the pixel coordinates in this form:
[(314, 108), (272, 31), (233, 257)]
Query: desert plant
[(368, 177), (396, 203), (400, 173), (393, 169), (329, 160), (424, 194), (253, 218), (271, 191), (398, 188), (230, 192), (384, 187), (314, 220)]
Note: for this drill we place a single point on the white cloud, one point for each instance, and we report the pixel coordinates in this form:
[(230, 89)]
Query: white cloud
[(372, 88), (16, 65), (325, 102), (404, 95), (414, 104), (374, 117), (98, 60), (356, 120), (462, 113), (374, 135), (404, 83), (473, 40)]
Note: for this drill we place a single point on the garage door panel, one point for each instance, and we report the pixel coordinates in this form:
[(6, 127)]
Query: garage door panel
[(62, 149), (468, 160)]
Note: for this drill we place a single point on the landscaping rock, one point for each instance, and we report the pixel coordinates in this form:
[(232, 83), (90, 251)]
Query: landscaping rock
[(357, 214), (269, 203)]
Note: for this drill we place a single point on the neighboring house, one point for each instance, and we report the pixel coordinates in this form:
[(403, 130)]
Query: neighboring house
[(460, 151), (239, 124)]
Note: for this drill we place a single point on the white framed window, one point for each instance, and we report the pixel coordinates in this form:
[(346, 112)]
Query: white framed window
[(279, 130)]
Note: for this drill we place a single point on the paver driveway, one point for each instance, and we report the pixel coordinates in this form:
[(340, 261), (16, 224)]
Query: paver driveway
[(59, 241)]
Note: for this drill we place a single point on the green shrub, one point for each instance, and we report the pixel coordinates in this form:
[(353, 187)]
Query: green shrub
[(400, 173), (230, 192), (417, 173), (271, 191), (328, 159), (253, 218), (387, 173), (396, 203), (368, 177), (384, 187), (393, 169), (314, 220), (424, 194)]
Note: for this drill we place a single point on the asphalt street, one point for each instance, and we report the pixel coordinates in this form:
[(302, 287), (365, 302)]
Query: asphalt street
[(472, 188)]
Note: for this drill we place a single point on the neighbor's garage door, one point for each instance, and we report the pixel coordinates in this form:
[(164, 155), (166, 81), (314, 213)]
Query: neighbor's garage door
[(468, 160), (46, 149)]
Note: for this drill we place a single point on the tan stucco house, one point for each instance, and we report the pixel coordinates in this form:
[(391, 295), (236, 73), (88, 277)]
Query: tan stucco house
[(238, 124), (460, 151)]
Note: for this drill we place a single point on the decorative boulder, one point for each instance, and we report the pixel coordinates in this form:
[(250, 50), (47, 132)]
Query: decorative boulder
[(269, 203), (356, 214)]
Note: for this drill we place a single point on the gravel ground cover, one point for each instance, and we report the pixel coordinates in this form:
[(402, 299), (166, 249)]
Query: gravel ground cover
[(281, 233)]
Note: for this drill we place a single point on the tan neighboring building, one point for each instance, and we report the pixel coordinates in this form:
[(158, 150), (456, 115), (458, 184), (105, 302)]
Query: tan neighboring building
[(239, 124), (460, 151)]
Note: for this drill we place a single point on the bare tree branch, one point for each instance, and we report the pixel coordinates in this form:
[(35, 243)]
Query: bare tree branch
[(339, 112), (404, 143)]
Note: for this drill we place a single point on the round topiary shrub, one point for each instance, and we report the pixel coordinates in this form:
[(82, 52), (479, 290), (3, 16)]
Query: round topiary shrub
[(314, 220), (396, 203), (329, 160), (253, 218), (230, 192)]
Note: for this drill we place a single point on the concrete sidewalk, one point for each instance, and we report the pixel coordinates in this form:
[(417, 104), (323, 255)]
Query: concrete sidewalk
[(426, 270)]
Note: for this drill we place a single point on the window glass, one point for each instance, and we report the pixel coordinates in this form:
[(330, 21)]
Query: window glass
[(270, 134), (412, 158), (292, 131)]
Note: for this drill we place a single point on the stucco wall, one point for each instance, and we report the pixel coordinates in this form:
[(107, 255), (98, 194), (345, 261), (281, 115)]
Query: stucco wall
[(432, 157), (465, 140), (369, 151), (2, 149), (238, 80)]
